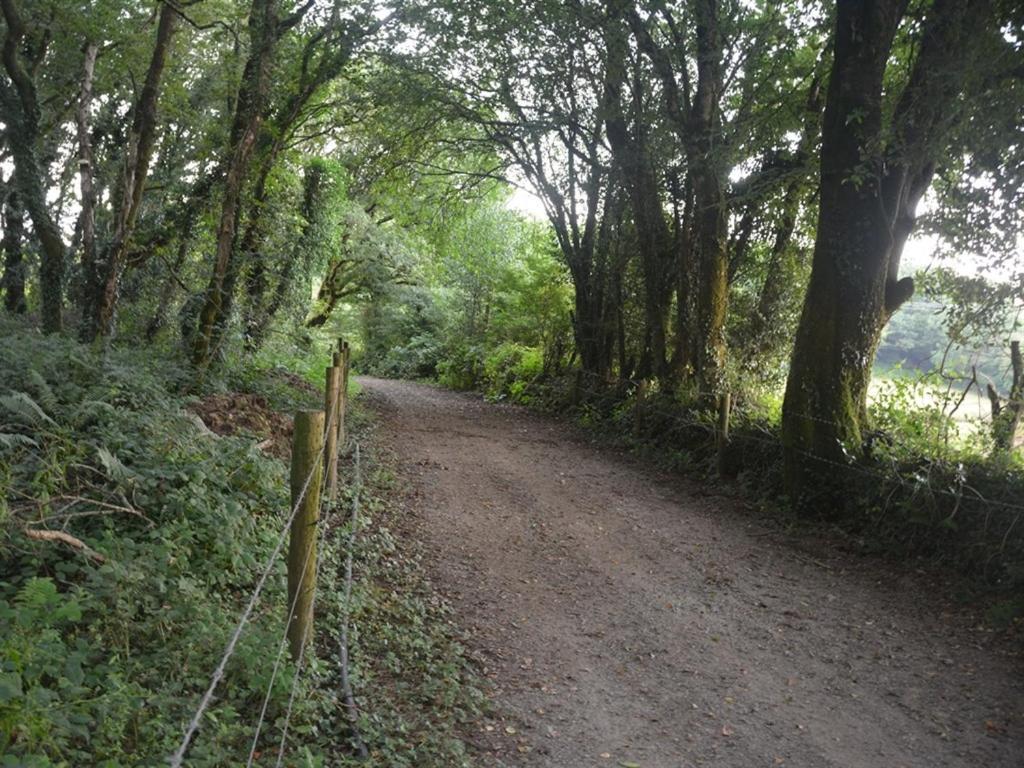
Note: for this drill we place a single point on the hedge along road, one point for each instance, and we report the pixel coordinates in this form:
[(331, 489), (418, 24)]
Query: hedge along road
[(632, 619)]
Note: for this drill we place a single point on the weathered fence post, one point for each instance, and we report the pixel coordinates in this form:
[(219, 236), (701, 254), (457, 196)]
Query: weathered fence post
[(724, 403), (306, 476), (343, 355), (332, 405)]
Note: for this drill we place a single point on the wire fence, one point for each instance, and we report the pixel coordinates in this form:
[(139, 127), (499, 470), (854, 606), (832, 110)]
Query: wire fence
[(316, 466), (645, 406)]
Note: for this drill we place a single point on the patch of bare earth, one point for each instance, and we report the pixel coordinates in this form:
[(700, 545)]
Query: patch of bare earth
[(633, 619), (241, 413)]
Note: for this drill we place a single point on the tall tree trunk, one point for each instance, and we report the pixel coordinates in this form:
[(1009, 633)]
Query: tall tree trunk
[(632, 156), (684, 344), (14, 260), (699, 127), (255, 267), (765, 331), (87, 216), (868, 195), (21, 113), (103, 273), (159, 319), (705, 155), (593, 266), (316, 192), (249, 110), (248, 258)]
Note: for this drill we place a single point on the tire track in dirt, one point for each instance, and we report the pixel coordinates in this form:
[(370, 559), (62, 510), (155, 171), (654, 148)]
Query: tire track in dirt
[(632, 619)]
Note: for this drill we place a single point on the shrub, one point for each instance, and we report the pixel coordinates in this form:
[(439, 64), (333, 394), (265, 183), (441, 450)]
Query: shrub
[(510, 369), (461, 367)]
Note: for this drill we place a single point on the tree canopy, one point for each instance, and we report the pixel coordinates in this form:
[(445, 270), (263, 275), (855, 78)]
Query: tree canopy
[(724, 190)]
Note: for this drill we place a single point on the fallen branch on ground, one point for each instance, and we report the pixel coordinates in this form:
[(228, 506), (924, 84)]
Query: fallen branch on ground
[(65, 538)]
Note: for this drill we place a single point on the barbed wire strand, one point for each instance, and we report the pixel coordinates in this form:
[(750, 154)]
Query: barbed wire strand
[(302, 650), (346, 684), (291, 615), (281, 649), (179, 755), (298, 674)]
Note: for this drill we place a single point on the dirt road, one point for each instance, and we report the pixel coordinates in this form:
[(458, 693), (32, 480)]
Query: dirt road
[(632, 619)]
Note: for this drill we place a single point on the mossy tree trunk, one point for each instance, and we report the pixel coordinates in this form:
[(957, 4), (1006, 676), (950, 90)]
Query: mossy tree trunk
[(872, 177), (685, 341), (704, 149), (697, 120), (248, 117)]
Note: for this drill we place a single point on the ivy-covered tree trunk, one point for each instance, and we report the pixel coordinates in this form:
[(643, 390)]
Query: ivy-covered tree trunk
[(869, 192), (21, 114), (249, 109), (317, 195), (103, 271), (14, 261)]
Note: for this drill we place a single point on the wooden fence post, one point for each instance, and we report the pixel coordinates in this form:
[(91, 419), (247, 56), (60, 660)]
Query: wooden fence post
[(332, 406), (724, 403), (343, 400), (306, 473)]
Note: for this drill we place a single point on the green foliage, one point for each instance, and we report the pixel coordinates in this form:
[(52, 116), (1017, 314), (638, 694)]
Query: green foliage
[(493, 312), (102, 662), (510, 369), (958, 324), (461, 366), (401, 333), (180, 519)]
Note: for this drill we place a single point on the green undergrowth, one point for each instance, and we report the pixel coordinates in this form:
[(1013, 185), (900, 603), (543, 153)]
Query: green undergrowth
[(110, 633), (414, 683)]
